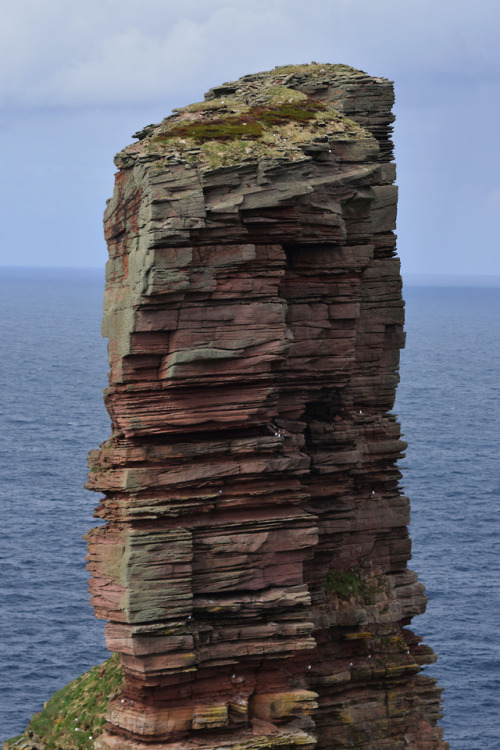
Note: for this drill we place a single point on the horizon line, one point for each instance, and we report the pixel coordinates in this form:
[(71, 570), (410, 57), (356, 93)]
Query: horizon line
[(409, 279)]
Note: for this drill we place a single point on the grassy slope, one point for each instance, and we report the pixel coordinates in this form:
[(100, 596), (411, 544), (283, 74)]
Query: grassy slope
[(76, 714)]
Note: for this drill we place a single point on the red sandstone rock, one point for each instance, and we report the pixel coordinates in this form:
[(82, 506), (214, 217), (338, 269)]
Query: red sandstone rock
[(253, 568)]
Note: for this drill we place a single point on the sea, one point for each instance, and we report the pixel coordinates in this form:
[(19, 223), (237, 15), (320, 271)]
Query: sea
[(52, 370)]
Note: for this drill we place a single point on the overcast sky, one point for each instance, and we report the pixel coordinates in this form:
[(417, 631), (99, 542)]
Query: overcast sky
[(78, 78)]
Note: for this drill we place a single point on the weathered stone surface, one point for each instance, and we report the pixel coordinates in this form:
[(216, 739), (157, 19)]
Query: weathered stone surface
[(253, 568)]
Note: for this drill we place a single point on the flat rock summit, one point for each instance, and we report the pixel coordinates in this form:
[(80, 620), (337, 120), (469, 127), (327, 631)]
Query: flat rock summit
[(253, 565)]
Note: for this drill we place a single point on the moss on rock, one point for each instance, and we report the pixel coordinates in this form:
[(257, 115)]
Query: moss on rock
[(354, 583)]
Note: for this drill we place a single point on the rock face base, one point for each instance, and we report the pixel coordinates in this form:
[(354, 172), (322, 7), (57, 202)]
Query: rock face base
[(253, 568)]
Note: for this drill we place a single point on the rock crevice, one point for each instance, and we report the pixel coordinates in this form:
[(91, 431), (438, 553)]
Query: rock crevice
[(253, 567)]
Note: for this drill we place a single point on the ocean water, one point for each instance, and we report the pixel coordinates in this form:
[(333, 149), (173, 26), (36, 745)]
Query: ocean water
[(52, 369), (449, 406)]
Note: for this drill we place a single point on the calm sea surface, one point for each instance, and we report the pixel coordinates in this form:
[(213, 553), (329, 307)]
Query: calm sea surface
[(52, 370)]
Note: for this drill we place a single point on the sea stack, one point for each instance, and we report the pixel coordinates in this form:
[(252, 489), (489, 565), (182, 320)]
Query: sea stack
[(253, 566)]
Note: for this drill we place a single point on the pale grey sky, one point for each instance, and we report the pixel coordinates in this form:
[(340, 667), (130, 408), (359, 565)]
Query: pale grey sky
[(77, 79)]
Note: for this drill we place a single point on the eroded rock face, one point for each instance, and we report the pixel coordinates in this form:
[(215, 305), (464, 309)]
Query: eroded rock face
[(253, 569)]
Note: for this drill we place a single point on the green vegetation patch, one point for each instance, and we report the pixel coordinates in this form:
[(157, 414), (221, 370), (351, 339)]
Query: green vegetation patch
[(353, 583), (256, 118), (315, 68), (76, 714), (278, 94), (246, 125)]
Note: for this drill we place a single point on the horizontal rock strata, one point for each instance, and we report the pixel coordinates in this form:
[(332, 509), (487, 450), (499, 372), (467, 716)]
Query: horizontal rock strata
[(253, 567)]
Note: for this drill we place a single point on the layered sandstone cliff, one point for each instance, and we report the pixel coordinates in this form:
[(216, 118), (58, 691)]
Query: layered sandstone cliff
[(253, 567)]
